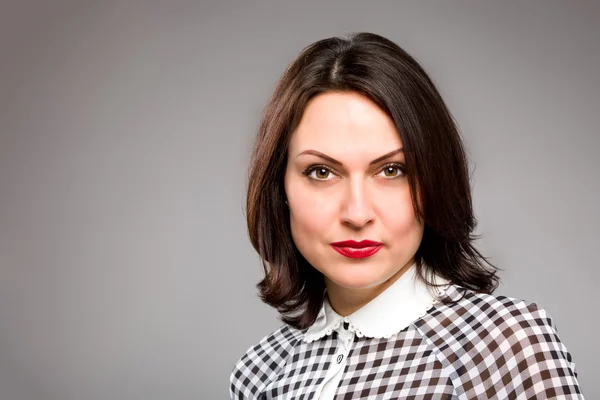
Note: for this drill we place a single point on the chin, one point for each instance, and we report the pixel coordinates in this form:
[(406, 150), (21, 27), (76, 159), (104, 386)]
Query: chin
[(358, 278)]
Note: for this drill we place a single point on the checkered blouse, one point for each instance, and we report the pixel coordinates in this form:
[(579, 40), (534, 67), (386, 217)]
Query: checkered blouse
[(463, 345)]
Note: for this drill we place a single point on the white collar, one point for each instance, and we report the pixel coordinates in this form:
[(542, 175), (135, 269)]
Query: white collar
[(402, 303)]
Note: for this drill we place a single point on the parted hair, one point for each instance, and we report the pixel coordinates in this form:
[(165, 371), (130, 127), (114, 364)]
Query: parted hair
[(436, 169)]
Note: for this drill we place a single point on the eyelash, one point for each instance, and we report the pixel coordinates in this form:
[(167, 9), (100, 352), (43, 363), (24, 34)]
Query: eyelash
[(312, 168)]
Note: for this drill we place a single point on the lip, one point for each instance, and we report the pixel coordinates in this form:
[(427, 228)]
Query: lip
[(356, 245), (354, 249)]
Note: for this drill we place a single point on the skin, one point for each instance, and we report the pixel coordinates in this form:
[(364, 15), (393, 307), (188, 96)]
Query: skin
[(351, 201)]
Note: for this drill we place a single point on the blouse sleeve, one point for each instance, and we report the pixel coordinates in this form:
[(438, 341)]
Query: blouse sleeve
[(261, 364), (538, 363), (496, 347)]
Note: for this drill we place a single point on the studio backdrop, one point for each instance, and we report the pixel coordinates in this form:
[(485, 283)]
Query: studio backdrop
[(125, 131)]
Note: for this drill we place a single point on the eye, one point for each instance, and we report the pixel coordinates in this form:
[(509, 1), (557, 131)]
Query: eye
[(392, 171), (318, 173)]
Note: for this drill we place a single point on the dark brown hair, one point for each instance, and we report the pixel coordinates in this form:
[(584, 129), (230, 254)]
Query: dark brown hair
[(436, 165)]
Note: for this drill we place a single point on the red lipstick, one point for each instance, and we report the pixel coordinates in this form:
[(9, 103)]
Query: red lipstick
[(354, 249)]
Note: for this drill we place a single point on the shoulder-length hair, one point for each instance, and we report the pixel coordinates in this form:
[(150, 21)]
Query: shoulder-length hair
[(436, 165)]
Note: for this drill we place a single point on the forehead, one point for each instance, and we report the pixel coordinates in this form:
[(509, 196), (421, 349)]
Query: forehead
[(345, 122)]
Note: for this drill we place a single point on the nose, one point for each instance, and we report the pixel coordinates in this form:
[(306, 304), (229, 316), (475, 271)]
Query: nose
[(357, 208)]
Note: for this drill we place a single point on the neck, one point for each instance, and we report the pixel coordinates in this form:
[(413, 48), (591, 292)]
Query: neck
[(345, 301)]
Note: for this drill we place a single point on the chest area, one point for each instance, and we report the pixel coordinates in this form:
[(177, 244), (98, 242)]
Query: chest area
[(400, 367)]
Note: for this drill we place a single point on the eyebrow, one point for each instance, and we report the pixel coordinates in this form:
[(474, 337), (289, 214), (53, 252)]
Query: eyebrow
[(336, 162)]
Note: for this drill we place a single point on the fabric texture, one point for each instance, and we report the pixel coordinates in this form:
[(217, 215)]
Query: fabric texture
[(466, 346)]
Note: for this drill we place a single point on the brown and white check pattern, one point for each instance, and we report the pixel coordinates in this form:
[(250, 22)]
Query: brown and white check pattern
[(468, 346)]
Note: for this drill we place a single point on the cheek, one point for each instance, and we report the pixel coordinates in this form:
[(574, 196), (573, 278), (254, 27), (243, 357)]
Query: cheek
[(311, 211), (399, 217), (311, 215)]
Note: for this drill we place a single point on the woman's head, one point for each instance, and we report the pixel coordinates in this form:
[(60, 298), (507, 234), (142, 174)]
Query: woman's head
[(340, 107), (345, 180)]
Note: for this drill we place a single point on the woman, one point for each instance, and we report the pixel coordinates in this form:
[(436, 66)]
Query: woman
[(359, 205)]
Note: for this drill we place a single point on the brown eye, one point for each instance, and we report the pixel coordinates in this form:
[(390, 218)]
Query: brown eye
[(319, 173), (393, 171)]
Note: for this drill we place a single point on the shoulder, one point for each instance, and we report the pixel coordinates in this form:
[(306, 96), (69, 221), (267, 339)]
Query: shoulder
[(467, 310), (260, 363), (510, 345)]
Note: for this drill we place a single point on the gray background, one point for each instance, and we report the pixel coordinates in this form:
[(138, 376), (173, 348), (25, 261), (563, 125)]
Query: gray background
[(125, 129)]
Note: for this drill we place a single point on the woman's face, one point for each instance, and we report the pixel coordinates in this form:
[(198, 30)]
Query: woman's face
[(345, 180)]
